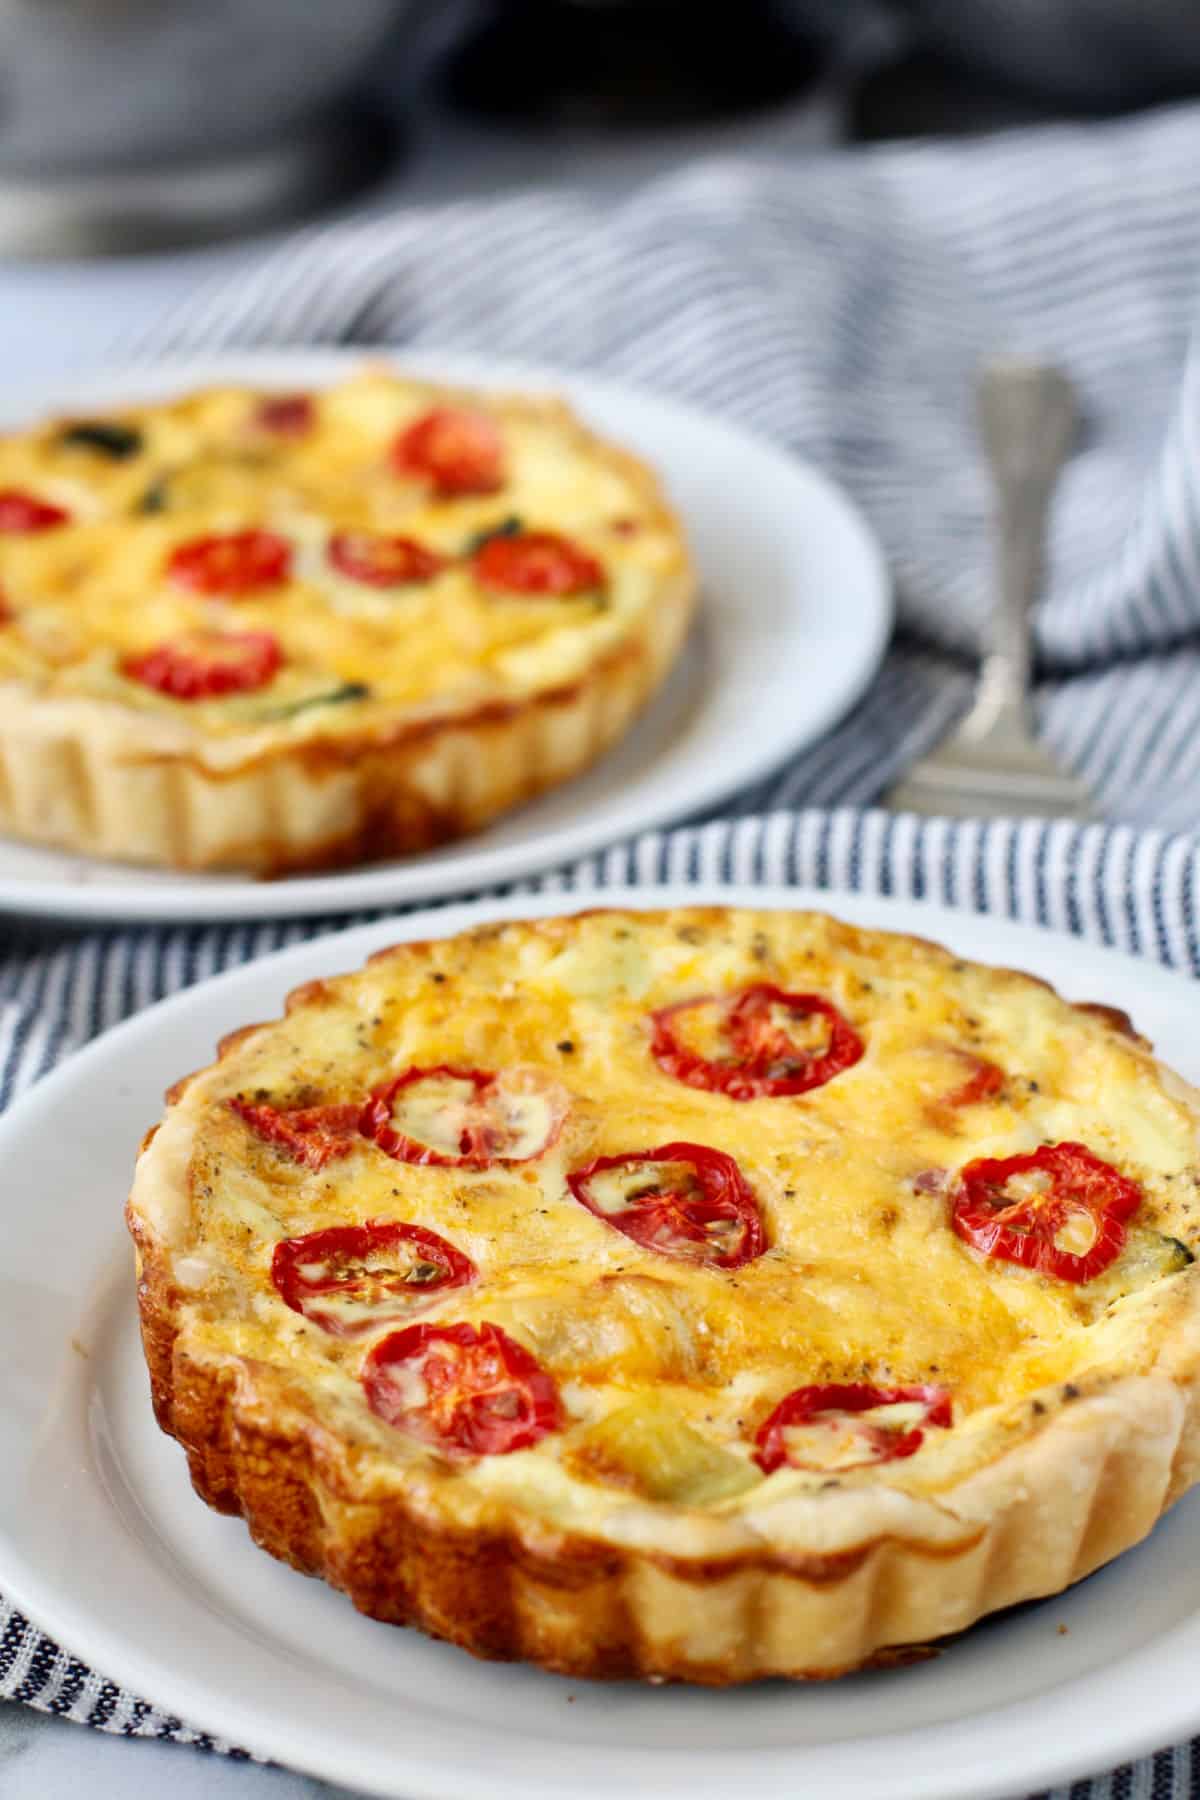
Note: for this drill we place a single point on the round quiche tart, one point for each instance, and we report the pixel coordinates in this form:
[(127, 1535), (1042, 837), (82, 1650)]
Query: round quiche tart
[(273, 632), (702, 1294)]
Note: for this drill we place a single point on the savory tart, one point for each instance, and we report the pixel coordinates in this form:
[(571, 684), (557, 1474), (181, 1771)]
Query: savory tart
[(706, 1294), (284, 631)]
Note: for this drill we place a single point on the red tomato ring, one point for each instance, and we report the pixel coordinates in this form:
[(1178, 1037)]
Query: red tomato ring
[(764, 1061), (1025, 1230), (482, 1135), (483, 1393), (453, 450), (231, 563), (717, 1224), (202, 665), (24, 513), (842, 1401), (538, 564), (286, 415), (313, 1135), (984, 1082), (383, 560), (343, 1254)]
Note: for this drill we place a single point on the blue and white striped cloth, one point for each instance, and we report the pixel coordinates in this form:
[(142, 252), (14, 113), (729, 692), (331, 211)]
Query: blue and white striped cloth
[(840, 307)]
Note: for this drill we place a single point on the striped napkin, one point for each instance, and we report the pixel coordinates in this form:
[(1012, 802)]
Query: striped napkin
[(840, 307)]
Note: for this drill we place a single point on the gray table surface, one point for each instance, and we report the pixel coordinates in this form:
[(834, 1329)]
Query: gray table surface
[(56, 318)]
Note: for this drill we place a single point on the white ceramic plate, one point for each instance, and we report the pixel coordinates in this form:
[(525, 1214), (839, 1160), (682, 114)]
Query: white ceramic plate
[(796, 612), (103, 1542)]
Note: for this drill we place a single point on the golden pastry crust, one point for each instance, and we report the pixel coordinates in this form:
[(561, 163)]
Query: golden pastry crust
[(476, 701), (1075, 1422)]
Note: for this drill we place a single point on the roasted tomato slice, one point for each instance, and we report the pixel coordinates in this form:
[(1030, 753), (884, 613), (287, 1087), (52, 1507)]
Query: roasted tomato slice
[(465, 1388), (313, 1135), (536, 563), (984, 1080), (286, 415), (839, 1425), (683, 1200), (22, 512), (1059, 1210), (980, 1081), (383, 561), (351, 1278), (464, 1117), (777, 1043), (231, 563), (455, 451), (201, 665)]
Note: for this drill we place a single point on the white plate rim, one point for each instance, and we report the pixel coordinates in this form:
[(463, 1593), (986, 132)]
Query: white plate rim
[(1050, 1739), (473, 864)]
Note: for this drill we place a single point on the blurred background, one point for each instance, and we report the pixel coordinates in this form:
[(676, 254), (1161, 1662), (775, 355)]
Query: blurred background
[(129, 126), (149, 146)]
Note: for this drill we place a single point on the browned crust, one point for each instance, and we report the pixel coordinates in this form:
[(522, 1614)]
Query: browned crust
[(324, 751), (1112, 1016), (582, 1606), (483, 763), (393, 817), (572, 1604), (564, 1605)]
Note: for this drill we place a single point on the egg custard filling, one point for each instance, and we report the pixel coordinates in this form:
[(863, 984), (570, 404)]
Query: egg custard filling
[(675, 1230), (237, 576)]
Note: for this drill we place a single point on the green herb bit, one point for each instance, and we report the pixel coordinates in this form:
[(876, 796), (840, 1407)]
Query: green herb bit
[(339, 696), (156, 497), (510, 527), (118, 442), (423, 1272)]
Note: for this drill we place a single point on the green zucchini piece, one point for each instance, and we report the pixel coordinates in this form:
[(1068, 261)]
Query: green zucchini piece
[(188, 486), (648, 1447), (117, 442), (1148, 1256), (338, 696)]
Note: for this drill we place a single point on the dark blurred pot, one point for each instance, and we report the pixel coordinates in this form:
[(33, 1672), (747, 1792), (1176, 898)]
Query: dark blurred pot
[(89, 84), (1090, 52)]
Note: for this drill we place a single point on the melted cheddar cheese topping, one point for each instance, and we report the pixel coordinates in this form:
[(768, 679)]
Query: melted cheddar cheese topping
[(81, 599), (666, 1367)]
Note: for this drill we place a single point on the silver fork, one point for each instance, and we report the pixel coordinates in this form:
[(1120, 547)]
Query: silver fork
[(992, 764)]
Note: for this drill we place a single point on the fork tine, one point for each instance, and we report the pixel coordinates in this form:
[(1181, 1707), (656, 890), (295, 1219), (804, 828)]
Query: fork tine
[(992, 764), (936, 786), (972, 803)]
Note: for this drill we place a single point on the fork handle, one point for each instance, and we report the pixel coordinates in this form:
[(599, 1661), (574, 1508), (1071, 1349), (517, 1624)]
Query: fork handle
[(1028, 418)]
